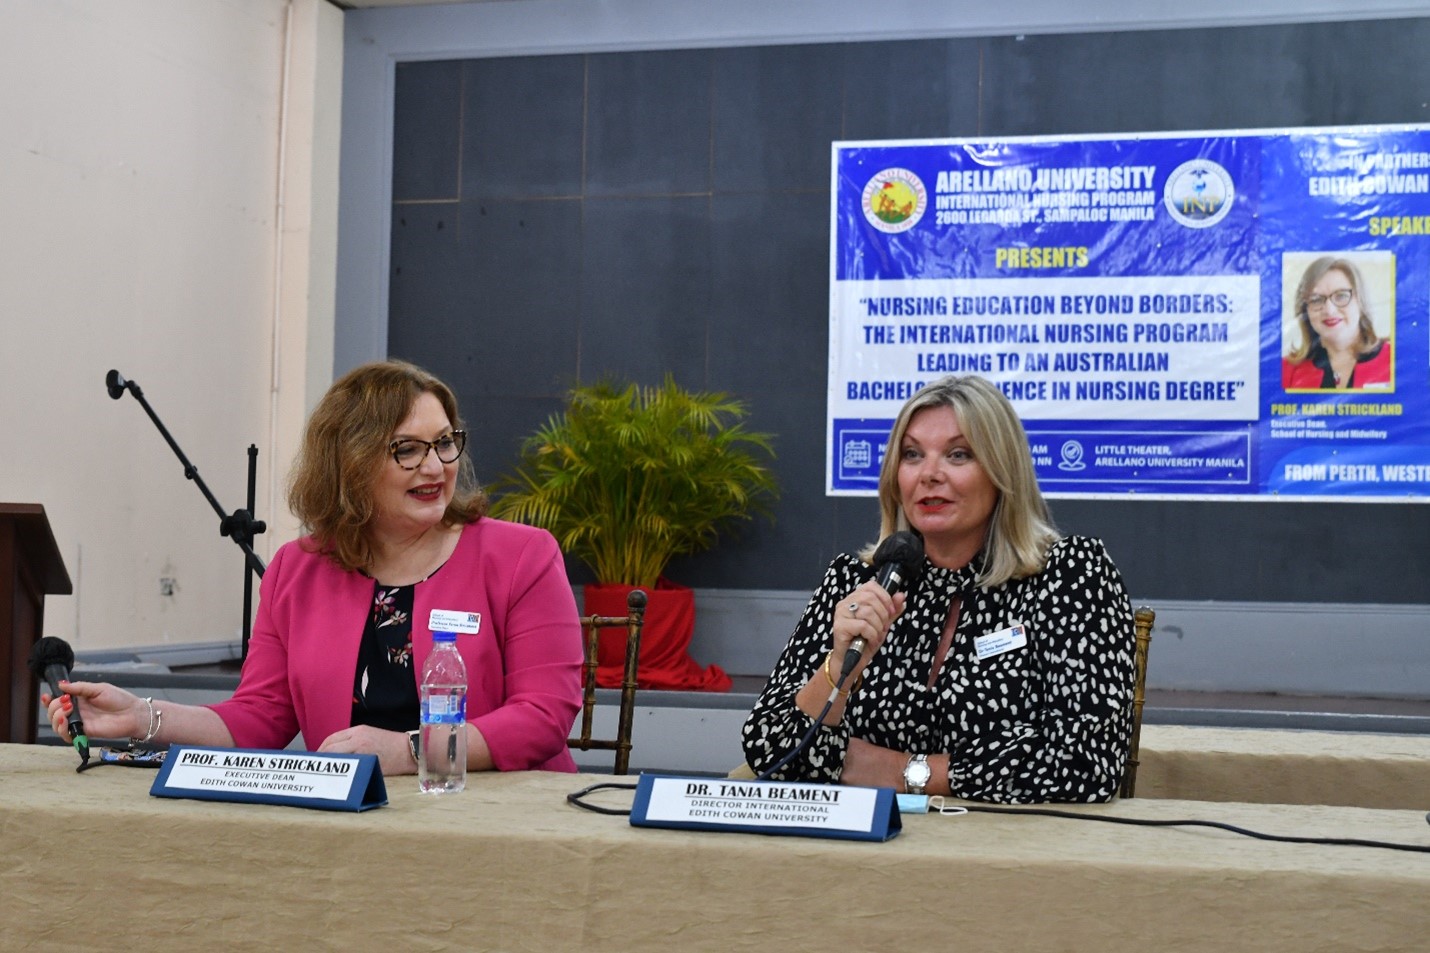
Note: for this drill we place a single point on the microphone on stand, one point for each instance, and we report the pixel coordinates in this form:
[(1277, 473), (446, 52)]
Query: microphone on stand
[(50, 661), (898, 563), (240, 526), (117, 384)]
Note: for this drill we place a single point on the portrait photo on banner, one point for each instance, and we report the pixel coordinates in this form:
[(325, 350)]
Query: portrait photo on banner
[(1338, 321)]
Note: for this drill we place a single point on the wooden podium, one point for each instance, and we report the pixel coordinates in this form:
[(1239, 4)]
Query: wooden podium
[(30, 569)]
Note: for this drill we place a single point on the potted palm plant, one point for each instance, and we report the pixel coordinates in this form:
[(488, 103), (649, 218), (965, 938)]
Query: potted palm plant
[(627, 477)]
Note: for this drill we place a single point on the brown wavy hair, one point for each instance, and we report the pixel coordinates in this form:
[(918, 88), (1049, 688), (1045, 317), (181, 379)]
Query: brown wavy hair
[(1021, 528), (345, 447)]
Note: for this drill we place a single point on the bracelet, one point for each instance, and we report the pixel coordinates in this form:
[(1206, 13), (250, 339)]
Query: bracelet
[(156, 721), (835, 685)]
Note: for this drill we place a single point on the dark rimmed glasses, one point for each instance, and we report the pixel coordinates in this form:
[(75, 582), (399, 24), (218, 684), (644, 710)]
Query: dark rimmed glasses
[(409, 454), (1317, 303)]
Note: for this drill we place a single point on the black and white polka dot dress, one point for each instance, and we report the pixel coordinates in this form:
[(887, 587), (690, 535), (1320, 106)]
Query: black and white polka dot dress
[(1046, 722)]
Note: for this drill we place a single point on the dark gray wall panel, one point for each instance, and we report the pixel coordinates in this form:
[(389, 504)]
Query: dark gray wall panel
[(645, 303), (519, 279), (523, 123), (426, 130), (770, 255), (775, 110), (922, 89), (426, 266), (653, 136), (1262, 552), (499, 316), (1253, 77)]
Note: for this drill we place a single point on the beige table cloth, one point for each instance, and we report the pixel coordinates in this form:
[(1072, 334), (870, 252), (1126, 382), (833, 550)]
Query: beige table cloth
[(94, 862), (1269, 766)]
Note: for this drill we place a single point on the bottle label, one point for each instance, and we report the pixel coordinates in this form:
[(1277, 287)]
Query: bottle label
[(444, 710)]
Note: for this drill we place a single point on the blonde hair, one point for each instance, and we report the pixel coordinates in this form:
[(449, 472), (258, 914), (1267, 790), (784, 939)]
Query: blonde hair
[(1021, 528), (1365, 339), (345, 446)]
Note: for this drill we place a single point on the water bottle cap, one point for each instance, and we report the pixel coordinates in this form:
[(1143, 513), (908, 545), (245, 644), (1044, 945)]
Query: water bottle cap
[(444, 636)]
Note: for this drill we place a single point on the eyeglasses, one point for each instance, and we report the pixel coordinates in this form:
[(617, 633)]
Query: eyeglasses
[(1340, 299), (409, 454)]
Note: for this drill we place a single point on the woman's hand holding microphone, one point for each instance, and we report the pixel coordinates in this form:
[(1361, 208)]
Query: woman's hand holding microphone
[(861, 623)]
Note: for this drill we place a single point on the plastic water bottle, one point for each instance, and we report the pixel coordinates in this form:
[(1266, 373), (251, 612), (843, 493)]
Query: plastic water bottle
[(442, 752)]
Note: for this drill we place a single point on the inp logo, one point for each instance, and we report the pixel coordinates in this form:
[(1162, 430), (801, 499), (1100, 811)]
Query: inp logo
[(895, 200), (1199, 193)]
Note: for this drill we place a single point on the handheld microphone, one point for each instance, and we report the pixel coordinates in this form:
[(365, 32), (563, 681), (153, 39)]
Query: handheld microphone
[(898, 563), (50, 661)]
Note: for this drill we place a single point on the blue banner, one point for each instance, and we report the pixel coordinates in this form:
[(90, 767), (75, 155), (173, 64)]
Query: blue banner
[(1182, 315)]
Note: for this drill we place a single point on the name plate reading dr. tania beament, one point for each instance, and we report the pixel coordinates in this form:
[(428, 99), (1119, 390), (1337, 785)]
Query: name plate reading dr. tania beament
[(766, 807), (330, 782)]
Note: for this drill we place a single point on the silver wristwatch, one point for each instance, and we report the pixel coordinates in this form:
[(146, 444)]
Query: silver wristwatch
[(917, 773), (413, 740)]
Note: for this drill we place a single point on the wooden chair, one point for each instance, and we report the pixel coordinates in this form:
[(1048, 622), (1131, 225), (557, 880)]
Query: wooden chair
[(1142, 621), (591, 626)]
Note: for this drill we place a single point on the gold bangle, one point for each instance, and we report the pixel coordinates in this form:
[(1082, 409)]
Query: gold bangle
[(835, 685)]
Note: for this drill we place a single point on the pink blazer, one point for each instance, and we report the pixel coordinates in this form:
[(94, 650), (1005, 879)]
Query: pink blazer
[(523, 663)]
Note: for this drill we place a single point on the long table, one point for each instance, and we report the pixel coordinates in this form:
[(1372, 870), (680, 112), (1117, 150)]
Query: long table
[(1274, 766), (93, 861)]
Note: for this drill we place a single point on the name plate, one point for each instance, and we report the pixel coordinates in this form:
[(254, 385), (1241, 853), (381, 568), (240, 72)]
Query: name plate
[(329, 782), (766, 807)]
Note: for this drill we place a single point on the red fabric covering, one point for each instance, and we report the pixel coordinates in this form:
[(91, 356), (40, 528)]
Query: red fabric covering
[(665, 640)]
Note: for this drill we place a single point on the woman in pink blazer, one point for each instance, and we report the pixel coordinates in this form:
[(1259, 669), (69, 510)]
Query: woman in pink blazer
[(399, 545)]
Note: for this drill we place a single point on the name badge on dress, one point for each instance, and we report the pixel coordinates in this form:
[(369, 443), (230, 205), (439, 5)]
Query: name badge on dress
[(452, 620), (1004, 640)]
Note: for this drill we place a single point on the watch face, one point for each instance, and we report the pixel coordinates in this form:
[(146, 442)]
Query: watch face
[(917, 773)]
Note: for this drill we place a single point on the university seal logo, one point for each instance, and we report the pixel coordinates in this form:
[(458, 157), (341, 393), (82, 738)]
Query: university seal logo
[(895, 200), (1199, 193)]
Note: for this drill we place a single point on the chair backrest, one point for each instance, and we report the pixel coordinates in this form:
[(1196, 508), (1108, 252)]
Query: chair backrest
[(1142, 621), (591, 626)]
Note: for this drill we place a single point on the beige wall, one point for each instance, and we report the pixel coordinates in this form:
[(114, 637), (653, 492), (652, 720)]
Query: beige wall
[(168, 185)]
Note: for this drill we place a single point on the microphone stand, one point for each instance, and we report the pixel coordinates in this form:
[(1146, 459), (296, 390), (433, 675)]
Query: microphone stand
[(240, 526)]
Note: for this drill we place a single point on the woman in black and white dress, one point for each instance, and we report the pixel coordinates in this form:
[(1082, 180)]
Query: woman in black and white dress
[(1005, 674)]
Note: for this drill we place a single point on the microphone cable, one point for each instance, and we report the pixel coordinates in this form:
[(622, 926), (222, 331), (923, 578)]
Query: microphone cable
[(1216, 825), (577, 797), (804, 742)]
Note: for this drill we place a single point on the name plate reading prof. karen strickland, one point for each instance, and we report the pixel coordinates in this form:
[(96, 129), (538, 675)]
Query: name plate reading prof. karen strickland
[(330, 782), (766, 807)]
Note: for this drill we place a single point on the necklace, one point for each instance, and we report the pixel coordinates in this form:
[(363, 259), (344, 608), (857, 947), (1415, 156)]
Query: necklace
[(411, 568)]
